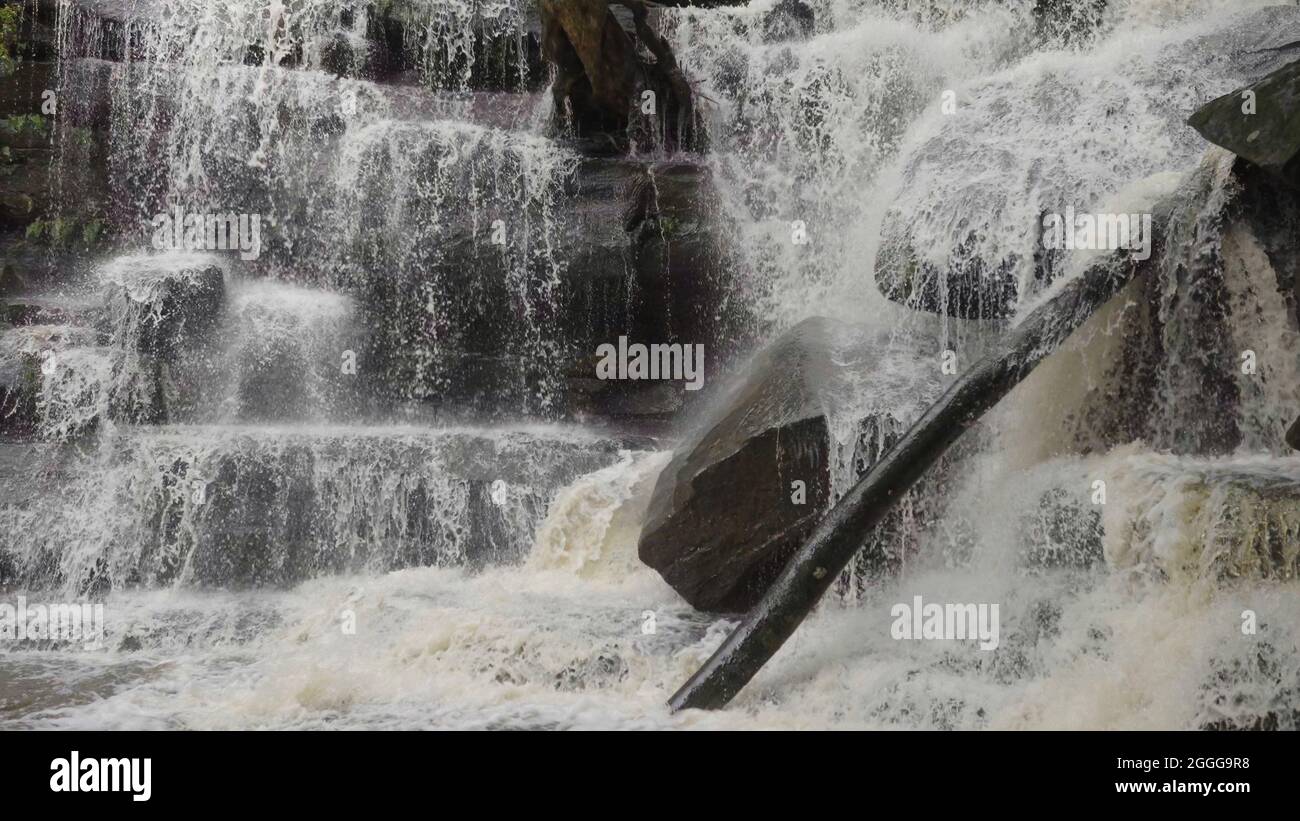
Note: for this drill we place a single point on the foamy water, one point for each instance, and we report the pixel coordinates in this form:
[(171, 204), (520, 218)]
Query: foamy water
[(559, 641)]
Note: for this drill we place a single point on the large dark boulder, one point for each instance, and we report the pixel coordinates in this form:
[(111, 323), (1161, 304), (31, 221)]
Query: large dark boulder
[(816, 407)]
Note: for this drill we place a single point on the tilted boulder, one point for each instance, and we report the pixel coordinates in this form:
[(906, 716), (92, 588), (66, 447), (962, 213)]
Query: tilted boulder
[(814, 409), (1260, 123)]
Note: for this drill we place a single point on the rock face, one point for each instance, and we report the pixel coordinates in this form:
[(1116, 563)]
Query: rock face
[(603, 85), (740, 497), (594, 61), (274, 510), (1260, 123), (788, 20), (159, 309)]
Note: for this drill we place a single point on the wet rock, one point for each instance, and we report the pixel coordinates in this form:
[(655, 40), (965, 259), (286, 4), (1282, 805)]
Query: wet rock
[(602, 82), (740, 496), (1293, 435), (629, 249), (1258, 122), (965, 285), (645, 257), (257, 507), (789, 20), (1251, 685), (1194, 519), (160, 310), (1069, 21), (25, 166), (48, 374), (159, 304), (594, 61)]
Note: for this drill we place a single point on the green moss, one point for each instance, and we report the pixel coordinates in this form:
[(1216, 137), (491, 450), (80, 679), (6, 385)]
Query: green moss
[(66, 232), (81, 136), (91, 232), (55, 232), (8, 38), (37, 231), (24, 123)]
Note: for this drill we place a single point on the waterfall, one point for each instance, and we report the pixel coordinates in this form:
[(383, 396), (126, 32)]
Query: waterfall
[(341, 481)]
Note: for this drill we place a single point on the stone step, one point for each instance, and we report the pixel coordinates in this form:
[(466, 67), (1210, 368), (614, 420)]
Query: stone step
[(238, 507)]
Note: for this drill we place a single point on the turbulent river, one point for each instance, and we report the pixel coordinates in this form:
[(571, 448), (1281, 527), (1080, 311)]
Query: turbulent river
[(356, 569)]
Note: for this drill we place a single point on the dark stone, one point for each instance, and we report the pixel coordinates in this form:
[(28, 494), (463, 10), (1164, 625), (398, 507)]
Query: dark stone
[(1270, 135), (723, 519), (595, 64), (638, 255), (153, 335), (183, 307), (789, 20), (1293, 435), (966, 286), (1069, 21), (601, 76)]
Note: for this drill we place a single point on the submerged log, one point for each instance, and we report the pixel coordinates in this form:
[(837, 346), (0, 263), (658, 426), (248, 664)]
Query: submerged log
[(840, 534)]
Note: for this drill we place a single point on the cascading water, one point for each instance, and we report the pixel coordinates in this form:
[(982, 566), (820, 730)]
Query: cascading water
[(240, 503)]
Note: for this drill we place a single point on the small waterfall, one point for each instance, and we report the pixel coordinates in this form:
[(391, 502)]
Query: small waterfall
[(234, 506), (459, 39), (287, 352), (458, 200), (806, 128), (247, 109)]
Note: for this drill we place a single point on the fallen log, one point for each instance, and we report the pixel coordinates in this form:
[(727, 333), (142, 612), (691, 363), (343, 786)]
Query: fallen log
[(840, 534)]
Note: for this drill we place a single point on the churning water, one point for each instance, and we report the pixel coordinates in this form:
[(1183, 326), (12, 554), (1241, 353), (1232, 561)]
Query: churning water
[(292, 562)]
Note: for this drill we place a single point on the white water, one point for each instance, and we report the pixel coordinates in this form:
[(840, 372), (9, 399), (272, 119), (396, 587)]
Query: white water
[(1118, 615), (558, 642)]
